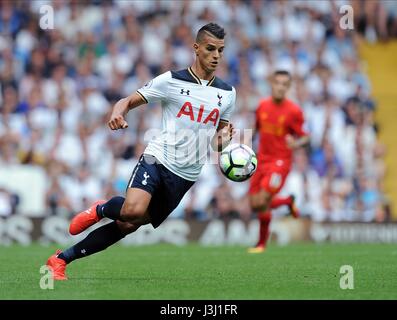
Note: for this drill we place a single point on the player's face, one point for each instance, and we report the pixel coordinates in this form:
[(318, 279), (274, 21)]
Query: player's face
[(280, 85), (209, 52)]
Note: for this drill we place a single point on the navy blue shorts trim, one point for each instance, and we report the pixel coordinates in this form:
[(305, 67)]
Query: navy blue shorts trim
[(167, 188)]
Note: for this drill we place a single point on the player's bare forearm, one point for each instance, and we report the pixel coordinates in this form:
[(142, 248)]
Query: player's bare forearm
[(302, 141), (223, 136), (120, 110), (295, 143)]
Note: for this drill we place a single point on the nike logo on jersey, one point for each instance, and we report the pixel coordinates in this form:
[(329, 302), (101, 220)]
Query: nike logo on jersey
[(187, 110)]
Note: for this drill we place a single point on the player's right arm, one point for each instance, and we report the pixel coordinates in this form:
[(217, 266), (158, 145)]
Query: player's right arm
[(154, 90), (121, 108)]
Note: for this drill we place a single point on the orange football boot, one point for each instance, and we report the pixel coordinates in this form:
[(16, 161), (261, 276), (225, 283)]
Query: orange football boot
[(57, 266), (257, 249), (85, 219), (293, 209)]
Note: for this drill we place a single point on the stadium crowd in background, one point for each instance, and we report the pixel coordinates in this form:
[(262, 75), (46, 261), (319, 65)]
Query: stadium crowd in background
[(58, 87)]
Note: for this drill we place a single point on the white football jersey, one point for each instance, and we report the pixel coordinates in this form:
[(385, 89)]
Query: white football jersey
[(192, 109)]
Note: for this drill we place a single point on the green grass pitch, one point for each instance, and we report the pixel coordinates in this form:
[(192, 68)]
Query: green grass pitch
[(298, 271)]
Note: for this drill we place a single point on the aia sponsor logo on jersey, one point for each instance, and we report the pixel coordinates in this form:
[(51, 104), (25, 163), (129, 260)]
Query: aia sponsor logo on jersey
[(187, 111)]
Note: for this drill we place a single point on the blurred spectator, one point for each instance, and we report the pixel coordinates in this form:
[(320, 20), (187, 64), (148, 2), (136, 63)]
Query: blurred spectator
[(325, 162), (8, 202), (377, 20), (222, 205), (303, 182)]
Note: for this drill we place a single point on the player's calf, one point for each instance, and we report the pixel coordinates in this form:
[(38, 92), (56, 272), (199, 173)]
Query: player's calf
[(135, 213), (135, 207), (293, 209), (126, 227), (96, 241)]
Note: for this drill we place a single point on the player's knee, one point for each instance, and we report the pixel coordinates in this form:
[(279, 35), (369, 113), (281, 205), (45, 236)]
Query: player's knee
[(260, 202), (133, 212), (266, 200), (261, 205), (256, 203), (126, 227), (253, 202)]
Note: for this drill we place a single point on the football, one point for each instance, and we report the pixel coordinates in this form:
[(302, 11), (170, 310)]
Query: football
[(238, 162)]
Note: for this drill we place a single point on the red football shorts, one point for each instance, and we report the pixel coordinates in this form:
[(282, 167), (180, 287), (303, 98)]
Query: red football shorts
[(270, 176)]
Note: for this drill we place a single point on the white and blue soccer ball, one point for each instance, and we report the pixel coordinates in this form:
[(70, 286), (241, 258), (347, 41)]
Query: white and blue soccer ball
[(238, 162)]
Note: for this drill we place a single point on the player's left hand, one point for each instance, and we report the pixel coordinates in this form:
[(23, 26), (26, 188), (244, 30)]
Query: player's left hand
[(230, 130), (223, 136), (227, 133)]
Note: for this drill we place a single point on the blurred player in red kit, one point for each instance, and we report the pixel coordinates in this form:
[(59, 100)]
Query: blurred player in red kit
[(279, 124)]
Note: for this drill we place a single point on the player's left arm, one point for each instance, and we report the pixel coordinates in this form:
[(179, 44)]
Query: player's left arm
[(223, 136), (299, 137), (225, 131), (297, 142)]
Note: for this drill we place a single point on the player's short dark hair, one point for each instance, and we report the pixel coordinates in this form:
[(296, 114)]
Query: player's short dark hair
[(281, 72), (214, 29)]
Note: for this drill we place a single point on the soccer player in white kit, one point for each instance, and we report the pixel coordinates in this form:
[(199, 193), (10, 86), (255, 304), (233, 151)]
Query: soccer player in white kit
[(196, 107)]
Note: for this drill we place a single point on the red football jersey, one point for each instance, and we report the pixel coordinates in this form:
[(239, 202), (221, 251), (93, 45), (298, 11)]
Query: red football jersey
[(273, 123)]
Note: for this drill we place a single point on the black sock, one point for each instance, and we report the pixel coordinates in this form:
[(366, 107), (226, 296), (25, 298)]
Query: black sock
[(96, 241), (111, 209)]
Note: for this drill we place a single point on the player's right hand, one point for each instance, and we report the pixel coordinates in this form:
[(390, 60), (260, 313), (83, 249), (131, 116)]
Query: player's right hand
[(117, 122), (227, 132)]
